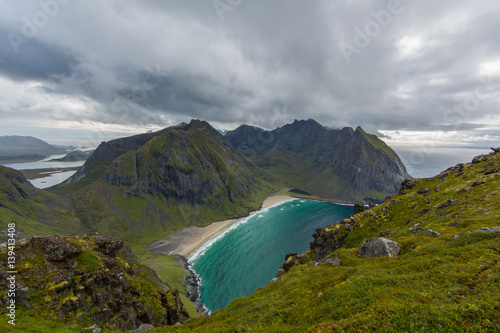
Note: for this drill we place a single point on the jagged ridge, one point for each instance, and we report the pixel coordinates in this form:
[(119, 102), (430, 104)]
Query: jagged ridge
[(340, 164)]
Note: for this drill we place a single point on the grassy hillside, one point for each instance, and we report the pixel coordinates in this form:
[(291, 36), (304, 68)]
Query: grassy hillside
[(446, 282)]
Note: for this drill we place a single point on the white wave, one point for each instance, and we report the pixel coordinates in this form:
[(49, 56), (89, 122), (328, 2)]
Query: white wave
[(203, 249)]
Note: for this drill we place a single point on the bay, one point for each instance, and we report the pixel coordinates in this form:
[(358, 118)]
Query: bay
[(248, 255)]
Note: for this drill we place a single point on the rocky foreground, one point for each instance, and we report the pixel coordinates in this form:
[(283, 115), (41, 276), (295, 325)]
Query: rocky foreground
[(82, 279)]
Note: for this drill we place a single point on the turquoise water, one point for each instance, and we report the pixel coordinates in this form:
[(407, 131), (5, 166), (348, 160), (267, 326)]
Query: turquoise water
[(248, 255)]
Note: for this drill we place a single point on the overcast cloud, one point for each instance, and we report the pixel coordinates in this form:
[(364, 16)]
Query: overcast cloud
[(74, 70)]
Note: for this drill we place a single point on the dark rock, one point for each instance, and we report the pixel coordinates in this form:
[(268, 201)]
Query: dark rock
[(408, 184), (23, 296), (409, 221), (385, 233), (492, 229), (492, 171), (423, 211), (447, 204), (175, 310), (476, 184), (443, 175), (495, 150), (424, 190), (55, 247), (431, 232), (441, 214), (326, 242), (359, 207), (291, 260), (479, 159), (108, 244), (454, 224), (417, 230), (379, 247)]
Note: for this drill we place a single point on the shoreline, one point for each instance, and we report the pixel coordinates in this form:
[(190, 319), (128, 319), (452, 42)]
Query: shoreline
[(189, 240)]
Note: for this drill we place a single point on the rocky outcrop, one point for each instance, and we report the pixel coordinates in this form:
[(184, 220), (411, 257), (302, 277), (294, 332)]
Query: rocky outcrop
[(82, 278), (379, 247), (54, 248), (408, 184), (326, 242)]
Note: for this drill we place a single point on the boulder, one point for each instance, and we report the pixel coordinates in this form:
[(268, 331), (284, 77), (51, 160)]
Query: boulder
[(359, 207), (492, 229), (379, 247), (54, 247), (431, 232), (408, 184), (108, 244), (144, 328)]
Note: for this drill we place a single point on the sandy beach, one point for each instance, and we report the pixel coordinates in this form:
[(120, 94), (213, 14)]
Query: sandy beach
[(188, 240)]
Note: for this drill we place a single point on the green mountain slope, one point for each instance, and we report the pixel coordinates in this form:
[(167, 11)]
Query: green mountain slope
[(34, 211), (347, 165), (446, 277), (155, 184)]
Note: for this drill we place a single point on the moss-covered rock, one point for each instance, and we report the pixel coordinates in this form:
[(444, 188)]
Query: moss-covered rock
[(79, 279)]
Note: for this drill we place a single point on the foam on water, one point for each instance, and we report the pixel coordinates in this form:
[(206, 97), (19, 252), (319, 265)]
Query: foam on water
[(248, 254)]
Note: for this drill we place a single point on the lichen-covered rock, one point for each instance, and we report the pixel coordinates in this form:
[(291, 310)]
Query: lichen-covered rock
[(144, 328), (54, 247), (431, 232), (359, 207), (88, 283), (407, 184), (108, 244), (379, 247), (492, 229)]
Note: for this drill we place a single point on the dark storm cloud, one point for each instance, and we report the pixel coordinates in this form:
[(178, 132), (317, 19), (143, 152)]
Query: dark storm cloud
[(37, 61), (265, 63)]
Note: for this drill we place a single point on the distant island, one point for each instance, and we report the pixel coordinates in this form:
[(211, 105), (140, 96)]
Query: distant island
[(17, 149)]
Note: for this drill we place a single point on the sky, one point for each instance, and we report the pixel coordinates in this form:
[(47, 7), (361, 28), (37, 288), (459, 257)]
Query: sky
[(413, 72)]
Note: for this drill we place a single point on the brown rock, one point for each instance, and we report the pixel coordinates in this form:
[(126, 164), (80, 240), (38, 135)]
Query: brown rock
[(408, 184), (108, 244), (326, 242), (55, 247)]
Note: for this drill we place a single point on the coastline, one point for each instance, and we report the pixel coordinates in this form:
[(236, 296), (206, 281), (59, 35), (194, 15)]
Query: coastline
[(187, 241)]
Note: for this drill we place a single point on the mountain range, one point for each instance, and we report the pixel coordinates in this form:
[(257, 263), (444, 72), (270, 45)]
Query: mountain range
[(439, 272), (348, 165), (17, 148), (148, 186)]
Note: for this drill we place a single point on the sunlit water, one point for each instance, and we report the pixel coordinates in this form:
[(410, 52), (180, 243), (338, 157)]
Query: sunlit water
[(248, 255)]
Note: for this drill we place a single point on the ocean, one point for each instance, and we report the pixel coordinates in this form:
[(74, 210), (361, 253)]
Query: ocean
[(429, 161), (247, 255)]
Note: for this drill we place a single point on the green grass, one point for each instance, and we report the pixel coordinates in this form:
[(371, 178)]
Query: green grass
[(444, 283)]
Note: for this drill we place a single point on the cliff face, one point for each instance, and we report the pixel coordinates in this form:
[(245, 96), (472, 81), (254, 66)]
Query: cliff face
[(343, 164), (83, 280), (193, 164)]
